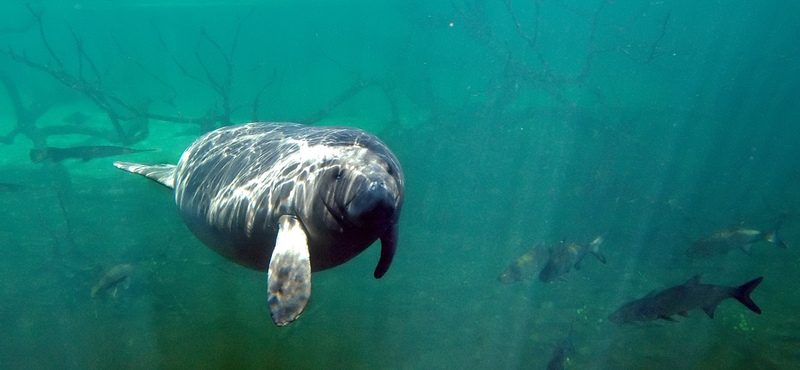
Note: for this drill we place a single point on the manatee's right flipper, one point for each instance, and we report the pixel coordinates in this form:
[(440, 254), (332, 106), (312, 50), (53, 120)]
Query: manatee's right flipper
[(162, 173), (289, 276), (388, 247)]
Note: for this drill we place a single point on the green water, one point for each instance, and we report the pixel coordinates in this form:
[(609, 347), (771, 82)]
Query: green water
[(660, 121)]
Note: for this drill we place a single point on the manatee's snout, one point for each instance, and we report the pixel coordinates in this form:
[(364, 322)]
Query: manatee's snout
[(373, 205)]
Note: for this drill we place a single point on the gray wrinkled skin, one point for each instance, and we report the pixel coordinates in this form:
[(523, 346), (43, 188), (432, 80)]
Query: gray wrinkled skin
[(288, 199), (233, 184)]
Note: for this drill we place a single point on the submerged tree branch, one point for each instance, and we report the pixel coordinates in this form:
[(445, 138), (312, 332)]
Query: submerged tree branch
[(519, 73), (130, 120)]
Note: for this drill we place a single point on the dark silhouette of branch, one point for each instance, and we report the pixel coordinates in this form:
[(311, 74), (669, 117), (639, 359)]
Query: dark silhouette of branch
[(654, 46), (221, 86), (174, 93), (257, 99), (519, 73), (356, 88), (87, 80), (117, 109), (532, 41), (18, 29), (37, 18), (26, 116), (91, 90), (83, 56), (394, 110), (175, 60), (353, 90)]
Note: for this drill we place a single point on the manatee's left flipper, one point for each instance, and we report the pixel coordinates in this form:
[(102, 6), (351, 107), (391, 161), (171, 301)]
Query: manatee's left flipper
[(289, 276)]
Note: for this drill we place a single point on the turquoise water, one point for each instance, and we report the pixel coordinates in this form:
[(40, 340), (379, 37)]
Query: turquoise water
[(658, 121)]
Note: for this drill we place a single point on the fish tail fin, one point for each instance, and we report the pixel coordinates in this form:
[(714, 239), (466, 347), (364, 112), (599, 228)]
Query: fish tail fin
[(95, 290), (742, 294), (594, 247), (161, 173), (772, 236), (38, 155)]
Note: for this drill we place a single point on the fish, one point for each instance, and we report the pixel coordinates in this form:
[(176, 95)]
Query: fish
[(76, 118), (678, 300), (560, 356), (565, 256), (526, 266), (111, 279), (85, 153), (722, 242), (10, 188)]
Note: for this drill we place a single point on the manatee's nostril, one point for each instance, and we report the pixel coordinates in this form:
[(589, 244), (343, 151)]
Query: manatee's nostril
[(377, 185), (372, 206)]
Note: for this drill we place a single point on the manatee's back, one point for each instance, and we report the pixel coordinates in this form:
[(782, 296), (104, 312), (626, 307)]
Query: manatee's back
[(222, 188)]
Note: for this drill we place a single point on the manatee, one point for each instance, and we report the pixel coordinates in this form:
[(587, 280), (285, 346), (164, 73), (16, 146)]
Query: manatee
[(287, 199)]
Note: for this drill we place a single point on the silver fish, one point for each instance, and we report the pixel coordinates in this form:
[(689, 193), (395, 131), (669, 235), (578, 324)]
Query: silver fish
[(678, 300), (119, 274), (721, 242), (565, 257), (526, 266)]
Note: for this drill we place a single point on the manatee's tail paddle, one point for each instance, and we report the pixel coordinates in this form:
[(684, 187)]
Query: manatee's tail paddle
[(161, 173)]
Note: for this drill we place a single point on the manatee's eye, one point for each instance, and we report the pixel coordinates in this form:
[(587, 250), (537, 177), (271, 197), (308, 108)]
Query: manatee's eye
[(337, 174), (387, 167)]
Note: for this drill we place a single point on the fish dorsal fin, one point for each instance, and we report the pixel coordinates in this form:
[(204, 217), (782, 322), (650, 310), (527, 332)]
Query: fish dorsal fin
[(289, 275), (164, 174)]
